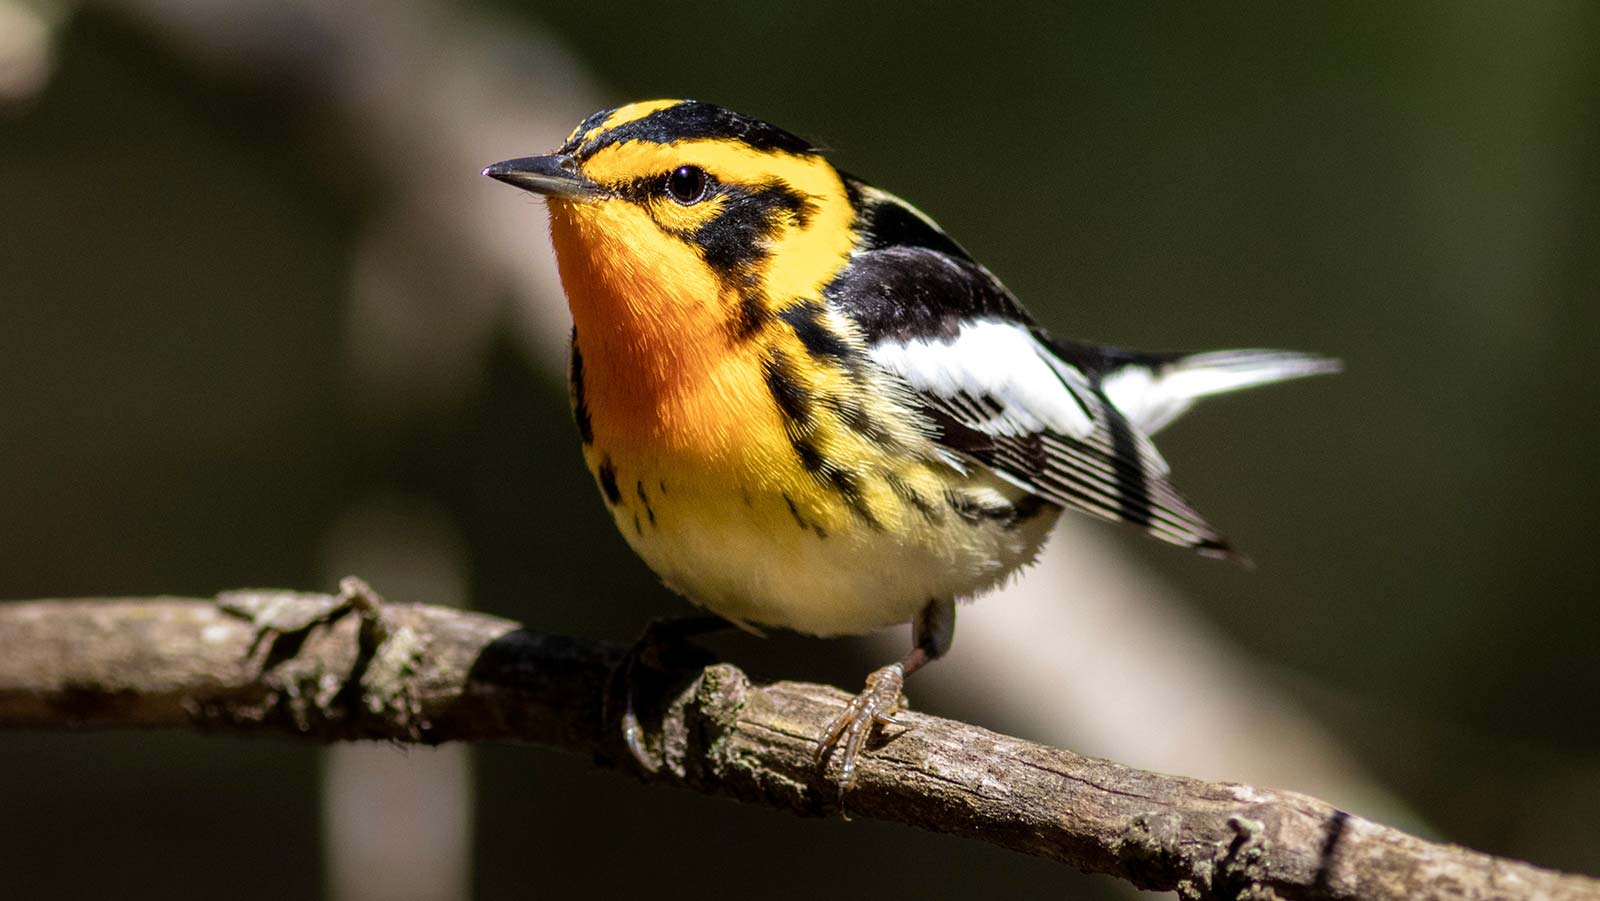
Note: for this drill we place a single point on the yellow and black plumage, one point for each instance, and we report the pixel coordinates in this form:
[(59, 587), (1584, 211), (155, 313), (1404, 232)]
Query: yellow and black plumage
[(808, 408)]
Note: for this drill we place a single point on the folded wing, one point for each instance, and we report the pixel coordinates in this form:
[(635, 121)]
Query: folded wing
[(997, 395)]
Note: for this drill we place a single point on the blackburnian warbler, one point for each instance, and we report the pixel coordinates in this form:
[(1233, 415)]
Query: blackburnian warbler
[(808, 408)]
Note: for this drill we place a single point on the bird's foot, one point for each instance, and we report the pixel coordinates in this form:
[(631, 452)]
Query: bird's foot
[(660, 653), (876, 705)]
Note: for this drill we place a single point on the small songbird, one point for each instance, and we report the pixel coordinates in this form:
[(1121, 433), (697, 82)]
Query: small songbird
[(808, 408)]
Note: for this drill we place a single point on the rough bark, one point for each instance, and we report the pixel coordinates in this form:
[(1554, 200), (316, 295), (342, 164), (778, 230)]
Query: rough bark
[(432, 674)]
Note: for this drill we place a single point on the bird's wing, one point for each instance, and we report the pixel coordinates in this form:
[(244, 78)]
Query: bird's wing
[(993, 388)]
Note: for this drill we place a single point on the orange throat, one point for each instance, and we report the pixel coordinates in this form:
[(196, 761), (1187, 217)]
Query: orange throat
[(654, 327)]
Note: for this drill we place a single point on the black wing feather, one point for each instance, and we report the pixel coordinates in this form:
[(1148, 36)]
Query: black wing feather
[(910, 283)]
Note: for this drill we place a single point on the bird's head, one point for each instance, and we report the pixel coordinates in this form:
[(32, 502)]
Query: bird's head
[(664, 205)]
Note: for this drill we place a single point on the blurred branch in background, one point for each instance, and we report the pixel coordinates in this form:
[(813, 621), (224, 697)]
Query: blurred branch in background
[(27, 52), (434, 674), (398, 826)]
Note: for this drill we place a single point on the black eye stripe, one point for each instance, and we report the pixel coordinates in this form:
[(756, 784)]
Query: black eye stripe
[(687, 184)]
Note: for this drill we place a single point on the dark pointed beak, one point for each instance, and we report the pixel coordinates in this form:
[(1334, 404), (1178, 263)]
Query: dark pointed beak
[(556, 175)]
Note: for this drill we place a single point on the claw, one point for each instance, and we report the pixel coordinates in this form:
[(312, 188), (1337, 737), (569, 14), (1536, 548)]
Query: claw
[(876, 705), (632, 731), (660, 652)]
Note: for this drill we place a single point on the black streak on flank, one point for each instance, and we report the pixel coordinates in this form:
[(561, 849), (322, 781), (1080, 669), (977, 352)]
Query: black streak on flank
[(821, 342), (608, 482), (580, 406), (810, 457), (854, 415), (793, 400), (795, 512), (845, 483), (842, 481), (801, 520), (692, 120), (929, 510), (644, 499)]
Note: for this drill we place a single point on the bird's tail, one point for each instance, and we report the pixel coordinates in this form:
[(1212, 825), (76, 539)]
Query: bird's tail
[(1152, 390)]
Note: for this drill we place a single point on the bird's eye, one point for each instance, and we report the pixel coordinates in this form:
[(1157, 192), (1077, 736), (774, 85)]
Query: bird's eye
[(687, 184)]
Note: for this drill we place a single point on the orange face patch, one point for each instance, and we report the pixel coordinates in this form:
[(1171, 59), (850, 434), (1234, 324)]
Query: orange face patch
[(653, 324), (669, 297)]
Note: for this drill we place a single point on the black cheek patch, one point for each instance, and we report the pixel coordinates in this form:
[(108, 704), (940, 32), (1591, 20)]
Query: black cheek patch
[(735, 240)]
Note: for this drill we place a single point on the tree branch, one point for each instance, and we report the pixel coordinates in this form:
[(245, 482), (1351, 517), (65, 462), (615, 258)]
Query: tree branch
[(434, 674)]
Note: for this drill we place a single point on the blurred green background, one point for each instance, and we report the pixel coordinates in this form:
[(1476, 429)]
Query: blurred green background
[(258, 327)]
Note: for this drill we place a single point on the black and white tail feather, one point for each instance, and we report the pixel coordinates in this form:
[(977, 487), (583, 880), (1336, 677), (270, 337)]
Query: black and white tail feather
[(1152, 390), (1147, 392), (1065, 421)]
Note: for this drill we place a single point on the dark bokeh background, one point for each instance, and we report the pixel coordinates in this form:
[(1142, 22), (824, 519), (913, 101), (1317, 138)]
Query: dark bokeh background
[(1410, 187)]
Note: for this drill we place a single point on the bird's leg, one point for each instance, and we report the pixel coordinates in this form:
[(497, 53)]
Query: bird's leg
[(661, 650), (877, 704)]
